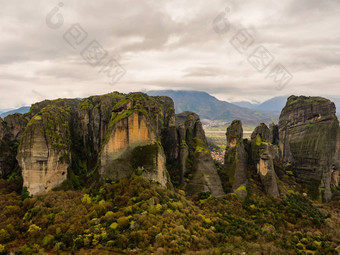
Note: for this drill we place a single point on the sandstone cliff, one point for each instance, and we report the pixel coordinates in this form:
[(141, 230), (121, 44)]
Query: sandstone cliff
[(263, 155), (241, 154), (308, 133), (11, 129), (235, 159), (306, 140), (44, 150), (107, 137), (196, 169), (133, 140)]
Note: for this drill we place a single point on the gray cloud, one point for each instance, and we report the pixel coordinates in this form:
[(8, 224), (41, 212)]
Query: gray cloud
[(168, 45)]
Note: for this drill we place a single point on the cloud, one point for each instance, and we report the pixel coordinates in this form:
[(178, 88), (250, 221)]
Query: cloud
[(168, 45), (204, 71)]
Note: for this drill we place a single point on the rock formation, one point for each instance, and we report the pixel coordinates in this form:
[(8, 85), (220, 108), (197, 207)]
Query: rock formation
[(263, 155), (334, 177), (308, 131), (44, 150), (274, 134), (116, 135), (107, 137), (133, 140), (235, 159), (197, 170), (11, 129), (307, 138)]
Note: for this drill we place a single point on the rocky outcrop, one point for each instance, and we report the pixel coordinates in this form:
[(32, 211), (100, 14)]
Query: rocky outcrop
[(274, 134), (308, 131), (133, 141), (334, 177), (306, 140), (263, 132), (116, 134), (107, 137), (263, 155), (193, 167), (92, 121), (44, 150), (11, 129), (235, 159)]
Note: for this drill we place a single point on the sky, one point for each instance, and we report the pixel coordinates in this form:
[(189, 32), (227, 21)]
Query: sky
[(235, 50)]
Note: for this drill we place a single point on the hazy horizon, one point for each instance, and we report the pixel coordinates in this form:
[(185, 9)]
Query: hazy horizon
[(145, 91)]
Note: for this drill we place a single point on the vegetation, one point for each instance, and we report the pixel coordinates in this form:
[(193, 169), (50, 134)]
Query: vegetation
[(137, 216)]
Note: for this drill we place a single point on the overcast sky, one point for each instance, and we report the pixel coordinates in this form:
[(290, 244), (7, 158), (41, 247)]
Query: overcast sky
[(167, 45)]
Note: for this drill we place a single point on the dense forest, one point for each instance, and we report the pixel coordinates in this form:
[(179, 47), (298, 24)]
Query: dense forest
[(137, 216)]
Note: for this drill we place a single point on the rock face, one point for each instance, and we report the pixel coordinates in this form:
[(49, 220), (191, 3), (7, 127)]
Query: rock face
[(197, 170), (263, 155), (334, 177), (44, 150), (116, 134), (11, 129), (235, 159), (134, 142), (107, 137), (308, 139)]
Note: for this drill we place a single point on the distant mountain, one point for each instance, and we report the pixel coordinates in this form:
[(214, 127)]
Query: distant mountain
[(276, 104), (4, 110), (22, 110), (273, 105), (209, 107), (246, 104)]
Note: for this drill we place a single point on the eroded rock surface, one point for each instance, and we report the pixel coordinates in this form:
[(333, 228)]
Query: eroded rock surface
[(263, 154), (133, 141), (44, 149), (11, 129), (235, 159), (197, 170), (108, 137), (308, 131)]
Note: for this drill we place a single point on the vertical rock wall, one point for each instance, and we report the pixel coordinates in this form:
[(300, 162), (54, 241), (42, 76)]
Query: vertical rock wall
[(235, 159), (308, 131), (44, 150)]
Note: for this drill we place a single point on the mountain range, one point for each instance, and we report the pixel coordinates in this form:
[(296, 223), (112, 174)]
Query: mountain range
[(124, 174), (210, 108), (4, 113), (276, 104)]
